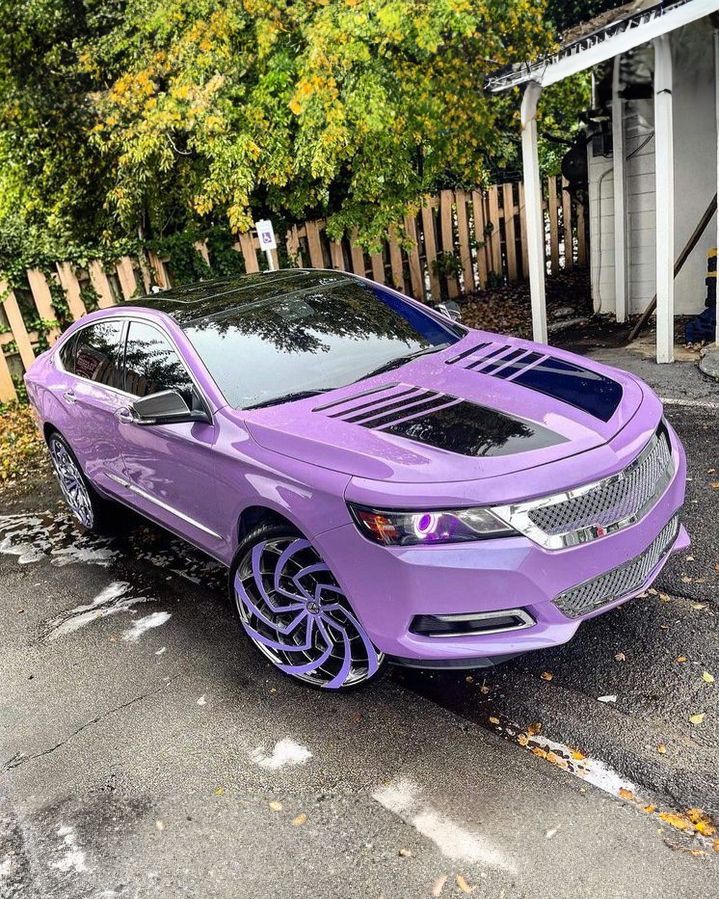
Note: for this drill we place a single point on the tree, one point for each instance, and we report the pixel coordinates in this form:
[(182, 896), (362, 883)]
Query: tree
[(148, 116)]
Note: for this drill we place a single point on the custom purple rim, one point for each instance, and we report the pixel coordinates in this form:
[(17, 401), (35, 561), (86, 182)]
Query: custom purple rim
[(294, 611)]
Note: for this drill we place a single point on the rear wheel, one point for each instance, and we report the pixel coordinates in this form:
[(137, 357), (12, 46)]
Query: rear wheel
[(92, 511), (295, 612)]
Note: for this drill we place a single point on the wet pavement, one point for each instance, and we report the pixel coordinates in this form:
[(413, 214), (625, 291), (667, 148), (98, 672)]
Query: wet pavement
[(147, 749)]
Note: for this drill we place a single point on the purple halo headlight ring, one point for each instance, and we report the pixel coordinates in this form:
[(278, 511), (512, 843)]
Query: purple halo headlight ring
[(295, 612), (393, 527)]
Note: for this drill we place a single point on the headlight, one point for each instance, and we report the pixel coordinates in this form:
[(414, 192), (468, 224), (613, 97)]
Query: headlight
[(394, 528)]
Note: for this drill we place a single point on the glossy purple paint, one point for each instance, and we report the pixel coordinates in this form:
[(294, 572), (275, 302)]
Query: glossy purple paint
[(197, 480)]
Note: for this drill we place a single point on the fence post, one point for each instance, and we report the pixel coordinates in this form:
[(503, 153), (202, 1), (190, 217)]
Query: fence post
[(7, 388), (126, 276), (415, 264), (465, 253), (495, 248), (567, 223), (17, 326), (70, 285), (99, 281), (430, 251), (43, 300), (480, 238), (553, 225)]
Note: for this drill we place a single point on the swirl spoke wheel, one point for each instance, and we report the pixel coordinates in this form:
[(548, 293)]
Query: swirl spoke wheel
[(295, 612), (72, 483)]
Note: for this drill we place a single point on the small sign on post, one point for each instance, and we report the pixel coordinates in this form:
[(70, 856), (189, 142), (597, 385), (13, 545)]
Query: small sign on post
[(268, 242)]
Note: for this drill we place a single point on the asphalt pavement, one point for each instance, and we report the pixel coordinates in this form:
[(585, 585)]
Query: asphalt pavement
[(147, 750)]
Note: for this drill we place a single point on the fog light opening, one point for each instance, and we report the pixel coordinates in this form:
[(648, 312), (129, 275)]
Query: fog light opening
[(471, 623)]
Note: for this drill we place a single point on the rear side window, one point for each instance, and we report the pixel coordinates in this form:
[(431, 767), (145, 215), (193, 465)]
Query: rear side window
[(98, 353), (152, 364), (67, 354)]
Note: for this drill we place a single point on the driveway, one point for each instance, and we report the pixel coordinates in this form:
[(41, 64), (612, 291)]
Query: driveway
[(147, 750)]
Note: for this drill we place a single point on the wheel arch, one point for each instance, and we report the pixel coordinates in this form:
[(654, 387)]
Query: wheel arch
[(254, 515)]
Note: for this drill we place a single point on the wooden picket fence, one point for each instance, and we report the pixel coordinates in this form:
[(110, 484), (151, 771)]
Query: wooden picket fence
[(460, 242)]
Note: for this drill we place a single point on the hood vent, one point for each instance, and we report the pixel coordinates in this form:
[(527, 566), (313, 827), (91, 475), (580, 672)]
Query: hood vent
[(590, 391), (440, 420), (387, 406)]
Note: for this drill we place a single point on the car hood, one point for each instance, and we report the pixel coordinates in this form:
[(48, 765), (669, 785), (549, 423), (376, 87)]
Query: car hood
[(485, 407)]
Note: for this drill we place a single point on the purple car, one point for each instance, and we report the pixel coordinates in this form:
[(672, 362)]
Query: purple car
[(382, 483)]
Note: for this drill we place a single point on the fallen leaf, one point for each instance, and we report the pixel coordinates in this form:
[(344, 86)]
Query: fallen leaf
[(715, 845), (620, 657), (219, 791), (577, 755), (493, 720), (550, 833), (405, 853), (681, 659), (438, 886), (484, 689), (534, 729), (611, 698), (686, 579), (522, 739), (661, 748), (690, 558), (624, 793), (557, 759), (541, 753), (664, 597), (160, 825), (463, 885), (299, 820), (276, 806), (546, 675), (469, 679), (708, 678), (698, 606), (681, 822), (701, 821), (649, 809), (714, 485), (698, 718)]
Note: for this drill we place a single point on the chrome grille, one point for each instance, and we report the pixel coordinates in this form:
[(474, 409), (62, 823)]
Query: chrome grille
[(597, 509), (618, 582)]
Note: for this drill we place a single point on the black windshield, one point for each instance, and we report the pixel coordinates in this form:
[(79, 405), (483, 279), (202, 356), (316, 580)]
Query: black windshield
[(313, 339)]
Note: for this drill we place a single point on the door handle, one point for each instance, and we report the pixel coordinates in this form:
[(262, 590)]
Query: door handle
[(124, 415), (70, 396)]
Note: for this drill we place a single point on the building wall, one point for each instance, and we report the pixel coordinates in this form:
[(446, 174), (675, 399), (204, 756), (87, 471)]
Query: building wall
[(694, 178)]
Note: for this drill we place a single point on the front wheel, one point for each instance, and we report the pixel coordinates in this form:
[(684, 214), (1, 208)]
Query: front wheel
[(295, 612)]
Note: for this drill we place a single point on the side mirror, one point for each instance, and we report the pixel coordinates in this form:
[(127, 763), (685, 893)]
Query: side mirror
[(165, 408)]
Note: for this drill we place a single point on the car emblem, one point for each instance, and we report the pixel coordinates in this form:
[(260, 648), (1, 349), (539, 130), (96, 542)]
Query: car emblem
[(313, 607)]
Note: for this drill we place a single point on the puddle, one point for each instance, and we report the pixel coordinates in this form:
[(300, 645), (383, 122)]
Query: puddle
[(115, 598)]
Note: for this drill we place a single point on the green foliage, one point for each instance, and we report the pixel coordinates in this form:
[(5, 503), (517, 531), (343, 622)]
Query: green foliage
[(138, 119), (566, 13)]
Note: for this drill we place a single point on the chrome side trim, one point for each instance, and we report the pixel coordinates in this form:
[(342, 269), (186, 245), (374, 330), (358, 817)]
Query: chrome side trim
[(524, 617), (158, 502)]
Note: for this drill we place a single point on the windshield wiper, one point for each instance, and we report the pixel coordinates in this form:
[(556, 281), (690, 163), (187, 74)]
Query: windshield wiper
[(401, 360), (288, 398)]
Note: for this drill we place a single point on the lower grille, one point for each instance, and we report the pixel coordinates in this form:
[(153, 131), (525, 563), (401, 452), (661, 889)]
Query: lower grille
[(618, 582)]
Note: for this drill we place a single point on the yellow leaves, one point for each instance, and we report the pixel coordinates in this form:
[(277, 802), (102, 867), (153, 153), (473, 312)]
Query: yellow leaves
[(701, 821), (681, 659), (698, 718), (275, 806), (21, 446), (299, 820), (626, 794), (661, 749), (546, 675), (708, 678), (493, 720), (694, 819), (680, 822), (649, 809)]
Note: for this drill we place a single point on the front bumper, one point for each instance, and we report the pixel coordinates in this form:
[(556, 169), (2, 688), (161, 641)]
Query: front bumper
[(389, 586)]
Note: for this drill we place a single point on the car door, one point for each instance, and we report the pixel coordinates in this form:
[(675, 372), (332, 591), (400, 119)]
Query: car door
[(169, 468), (90, 389)]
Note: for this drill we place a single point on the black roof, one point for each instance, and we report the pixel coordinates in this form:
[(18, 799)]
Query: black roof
[(192, 302)]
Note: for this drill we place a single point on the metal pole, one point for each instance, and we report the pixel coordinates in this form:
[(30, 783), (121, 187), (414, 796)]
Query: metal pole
[(664, 150), (534, 210)]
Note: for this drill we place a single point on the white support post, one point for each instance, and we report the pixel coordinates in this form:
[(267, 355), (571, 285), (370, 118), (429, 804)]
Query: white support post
[(620, 241), (664, 160), (716, 99), (534, 209)]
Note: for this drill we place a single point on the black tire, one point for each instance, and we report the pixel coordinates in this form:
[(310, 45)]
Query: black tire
[(296, 615), (95, 513)]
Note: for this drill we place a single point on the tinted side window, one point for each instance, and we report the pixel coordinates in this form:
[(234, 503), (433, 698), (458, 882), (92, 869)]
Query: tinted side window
[(67, 354), (152, 364), (98, 353)]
